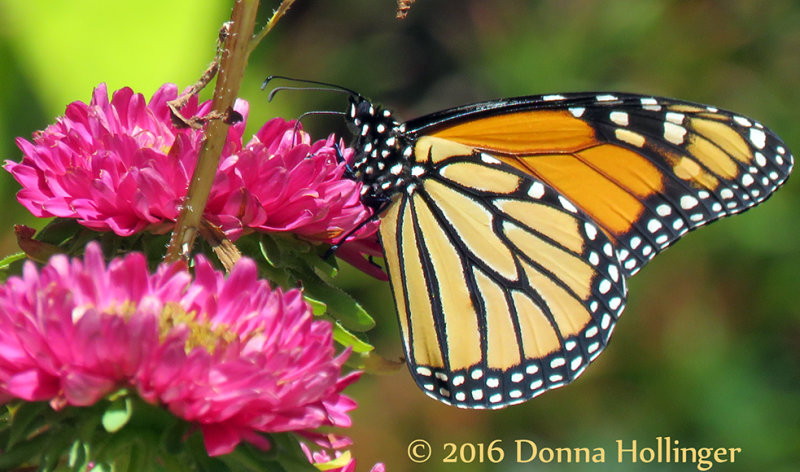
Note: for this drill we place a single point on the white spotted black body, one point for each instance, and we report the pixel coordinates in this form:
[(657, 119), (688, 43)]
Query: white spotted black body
[(384, 152)]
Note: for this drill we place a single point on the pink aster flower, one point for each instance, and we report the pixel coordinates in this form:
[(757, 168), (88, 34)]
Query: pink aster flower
[(228, 354), (116, 165), (122, 166), (281, 181)]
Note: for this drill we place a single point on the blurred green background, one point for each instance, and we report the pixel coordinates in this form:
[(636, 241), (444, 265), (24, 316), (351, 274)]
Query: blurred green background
[(708, 351)]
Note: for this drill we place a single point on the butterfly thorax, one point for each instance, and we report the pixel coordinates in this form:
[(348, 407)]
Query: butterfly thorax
[(383, 153)]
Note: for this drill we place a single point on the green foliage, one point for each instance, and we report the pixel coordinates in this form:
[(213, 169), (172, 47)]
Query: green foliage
[(117, 414), (11, 265), (291, 262), (126, 434)]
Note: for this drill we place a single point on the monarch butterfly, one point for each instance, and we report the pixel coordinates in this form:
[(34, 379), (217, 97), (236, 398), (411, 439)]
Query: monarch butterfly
[(509, 227)]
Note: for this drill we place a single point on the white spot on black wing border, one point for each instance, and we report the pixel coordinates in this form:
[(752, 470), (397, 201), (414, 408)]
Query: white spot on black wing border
[(668, 123), (494, 389)]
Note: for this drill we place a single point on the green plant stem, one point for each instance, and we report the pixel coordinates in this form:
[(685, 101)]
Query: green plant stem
[(231, 71), (276, 15)]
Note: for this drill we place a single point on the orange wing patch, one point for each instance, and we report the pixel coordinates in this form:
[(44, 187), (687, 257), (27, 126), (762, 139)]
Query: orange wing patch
[(523, 133), (605, 180)]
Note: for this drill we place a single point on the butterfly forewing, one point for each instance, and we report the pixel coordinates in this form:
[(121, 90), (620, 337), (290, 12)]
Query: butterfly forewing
[(645, 169)]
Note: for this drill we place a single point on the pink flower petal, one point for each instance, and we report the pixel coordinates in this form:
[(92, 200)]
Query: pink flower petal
[(31, 385)]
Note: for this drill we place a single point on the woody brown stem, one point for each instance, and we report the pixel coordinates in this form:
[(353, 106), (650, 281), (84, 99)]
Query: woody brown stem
[(229, 78)]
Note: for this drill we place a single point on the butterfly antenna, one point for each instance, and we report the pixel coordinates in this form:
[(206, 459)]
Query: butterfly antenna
[(308, 113), (275, 91), (316, 86), (327, 86)]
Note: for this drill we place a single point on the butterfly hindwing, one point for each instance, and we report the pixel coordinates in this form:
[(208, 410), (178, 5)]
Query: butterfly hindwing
[(504, 288)]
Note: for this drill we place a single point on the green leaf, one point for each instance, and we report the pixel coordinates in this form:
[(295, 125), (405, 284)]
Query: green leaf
[(24, 451), (26, 418), (287, 260), (290, 454), (287, 252), (196, 450), (304, 253), (271, 251), (341, 306), (59, 230), (171, 440), (285, 455), (78, 455), (6, 262), (346, 338), (57, 445), (171, 461), (131, 448), (117, 414), (317, 307), (267, 256), (69, 236), (152, 245), (14, 268)]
